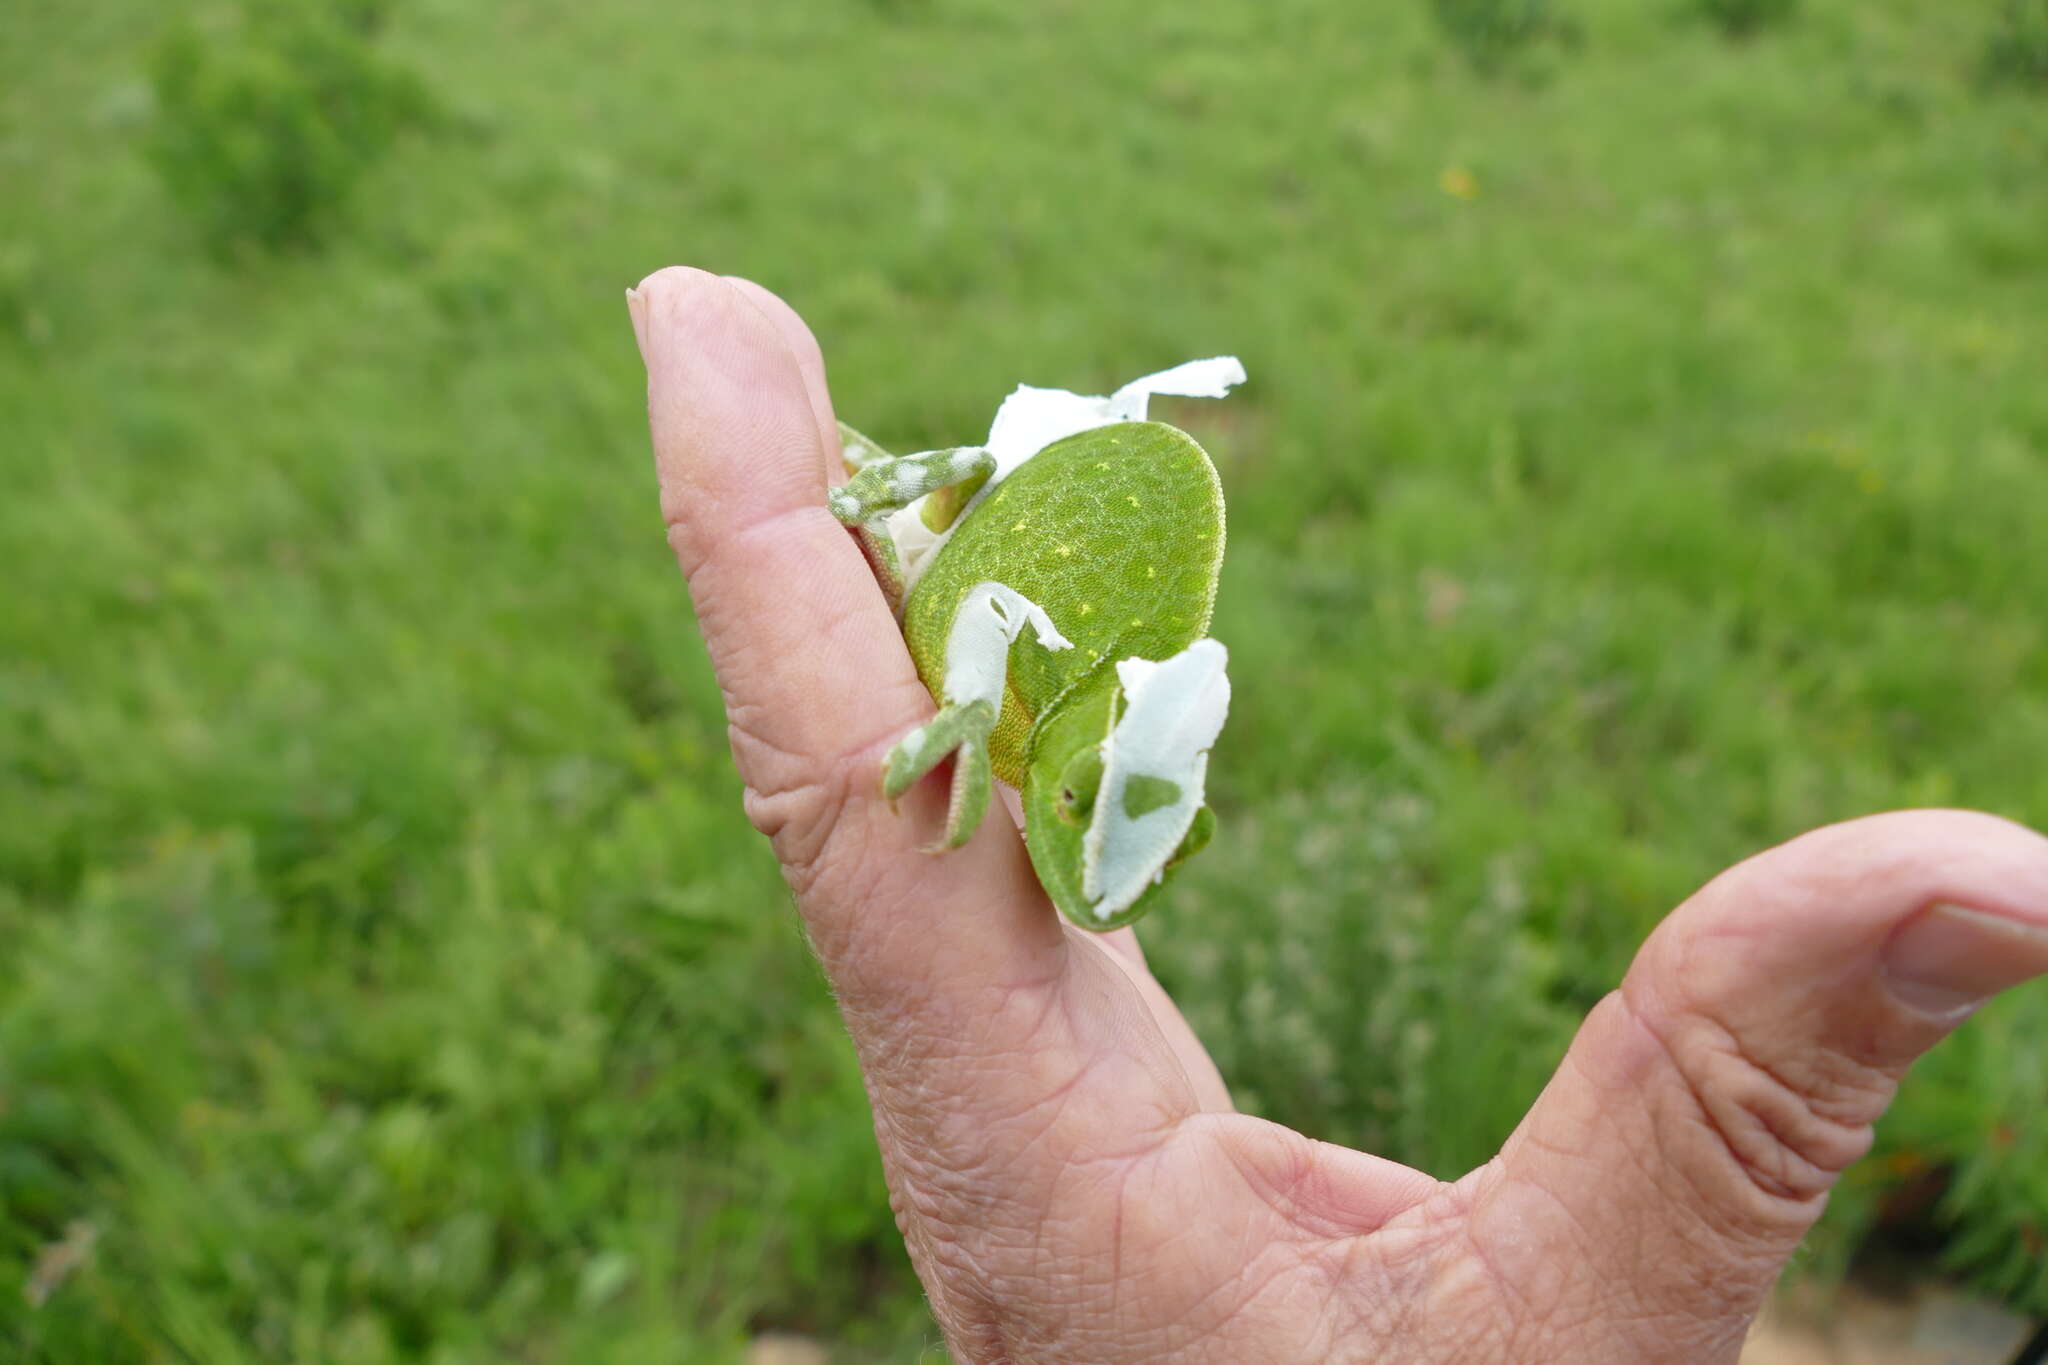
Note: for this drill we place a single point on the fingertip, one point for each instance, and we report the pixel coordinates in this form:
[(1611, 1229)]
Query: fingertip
[(674, 279), (810, 362), (693, 315), (1859, 877), (735, 435), (679, 299)]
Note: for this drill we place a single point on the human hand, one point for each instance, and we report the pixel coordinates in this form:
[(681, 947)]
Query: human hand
[(1063, 1157)]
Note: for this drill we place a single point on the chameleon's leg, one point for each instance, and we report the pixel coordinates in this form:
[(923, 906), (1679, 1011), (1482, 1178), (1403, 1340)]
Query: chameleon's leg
[(962, 731), (881, 485), (991, 618)]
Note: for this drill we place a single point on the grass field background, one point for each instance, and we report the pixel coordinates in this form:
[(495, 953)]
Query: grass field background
[(1645, 459)]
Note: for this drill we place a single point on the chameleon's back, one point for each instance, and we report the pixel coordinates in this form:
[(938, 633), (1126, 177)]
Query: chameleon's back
[(1116, 532)]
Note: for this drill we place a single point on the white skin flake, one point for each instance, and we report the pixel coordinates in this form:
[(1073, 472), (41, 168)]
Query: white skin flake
[(990, 619), (1031, 419), (1158, 753), (916, 543)]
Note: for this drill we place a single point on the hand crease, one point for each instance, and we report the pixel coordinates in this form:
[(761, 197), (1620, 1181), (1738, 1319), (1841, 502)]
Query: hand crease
[(1765, 1182)]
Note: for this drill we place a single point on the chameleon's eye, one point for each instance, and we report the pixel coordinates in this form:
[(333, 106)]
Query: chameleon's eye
[(1079, 781)]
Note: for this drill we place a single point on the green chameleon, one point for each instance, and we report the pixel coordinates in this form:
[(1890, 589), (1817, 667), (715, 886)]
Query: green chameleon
[(1054, 586)]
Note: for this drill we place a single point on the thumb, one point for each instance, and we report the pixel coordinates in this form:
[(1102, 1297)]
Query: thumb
[(1691, 1136)]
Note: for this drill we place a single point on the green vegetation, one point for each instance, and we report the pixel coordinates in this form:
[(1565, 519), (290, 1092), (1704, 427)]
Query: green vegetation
[(1640, 466), (264, 131), (1491, 32), (1742, 18), (2017, 52)]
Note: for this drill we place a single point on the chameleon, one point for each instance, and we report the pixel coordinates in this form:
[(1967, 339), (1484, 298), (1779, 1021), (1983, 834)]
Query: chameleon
[(1054, 587)]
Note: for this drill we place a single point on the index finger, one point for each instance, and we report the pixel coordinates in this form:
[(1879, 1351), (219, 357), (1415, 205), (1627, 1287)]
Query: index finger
[(816, 679)]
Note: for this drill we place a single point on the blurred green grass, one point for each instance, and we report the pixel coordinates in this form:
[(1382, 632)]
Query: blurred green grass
[(1645, 460)]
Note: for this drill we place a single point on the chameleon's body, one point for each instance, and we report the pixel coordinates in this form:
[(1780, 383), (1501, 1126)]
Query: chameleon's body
[(1028, 623)]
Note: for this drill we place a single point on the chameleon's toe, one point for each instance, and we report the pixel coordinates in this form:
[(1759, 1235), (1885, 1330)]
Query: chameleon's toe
[(968, 802), (963, 732)]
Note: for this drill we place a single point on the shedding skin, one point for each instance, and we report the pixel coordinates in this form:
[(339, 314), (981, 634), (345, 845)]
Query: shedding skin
[(1154, 766)]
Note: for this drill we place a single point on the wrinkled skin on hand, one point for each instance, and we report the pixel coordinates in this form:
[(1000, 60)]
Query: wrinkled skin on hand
[(1064, 1160)]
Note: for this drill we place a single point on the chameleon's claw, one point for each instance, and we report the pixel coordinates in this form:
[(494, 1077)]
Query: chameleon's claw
[(963, 732)]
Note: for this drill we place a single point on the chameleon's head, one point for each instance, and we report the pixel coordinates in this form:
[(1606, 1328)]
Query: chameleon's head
[(1123, 781)]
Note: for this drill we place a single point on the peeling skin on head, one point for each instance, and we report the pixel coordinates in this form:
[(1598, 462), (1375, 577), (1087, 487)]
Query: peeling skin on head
[(1154, 763), (1031, 419)]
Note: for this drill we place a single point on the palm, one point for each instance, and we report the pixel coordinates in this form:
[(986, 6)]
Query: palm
[(1062, 1154), (1106, 1161)]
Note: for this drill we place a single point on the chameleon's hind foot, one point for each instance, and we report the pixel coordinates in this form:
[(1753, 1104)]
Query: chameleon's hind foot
[(991, 619), (963, 732)]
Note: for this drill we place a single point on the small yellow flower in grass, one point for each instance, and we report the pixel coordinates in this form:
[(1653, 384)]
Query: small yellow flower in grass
[(1458, 182)]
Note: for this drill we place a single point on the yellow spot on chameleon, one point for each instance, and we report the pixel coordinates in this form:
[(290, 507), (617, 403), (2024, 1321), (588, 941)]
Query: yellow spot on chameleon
[(1137, 620), (1019, 526), (1063, 551), (1151, 572), (1085, 608), (1130, 499)]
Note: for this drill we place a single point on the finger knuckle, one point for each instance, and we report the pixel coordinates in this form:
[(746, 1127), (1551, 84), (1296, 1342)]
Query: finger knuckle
[(1788, 1124), (794, 799)]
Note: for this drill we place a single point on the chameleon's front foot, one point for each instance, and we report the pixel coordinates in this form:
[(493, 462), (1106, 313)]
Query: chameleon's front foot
[(963, 732), (883, 484)]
